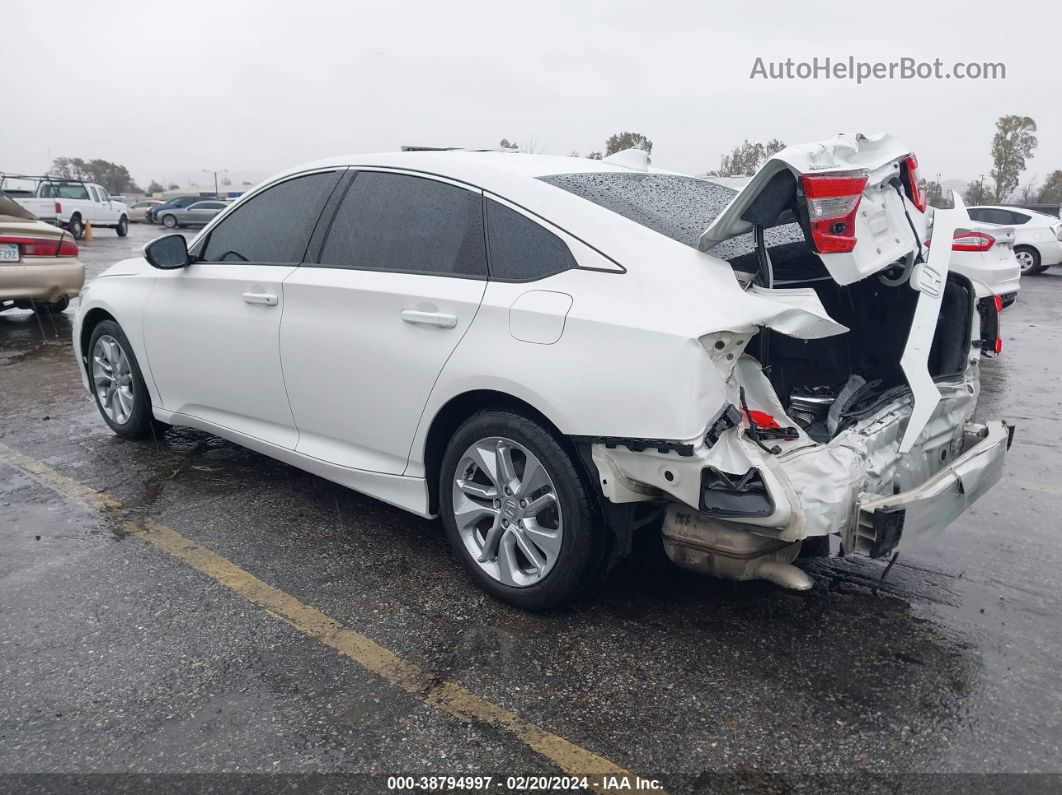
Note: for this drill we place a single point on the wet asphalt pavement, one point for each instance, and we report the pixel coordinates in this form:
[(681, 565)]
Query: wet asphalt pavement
[(117, 657)]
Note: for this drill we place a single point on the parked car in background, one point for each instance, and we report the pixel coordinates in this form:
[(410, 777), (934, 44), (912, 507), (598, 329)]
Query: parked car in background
[(39, 268), (152, 213), (984, 253), (1037, 236), (72, 203), (198, 214), (138, 211), (550, 352)]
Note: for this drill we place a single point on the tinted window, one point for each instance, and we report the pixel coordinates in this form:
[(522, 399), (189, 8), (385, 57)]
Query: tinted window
[(521, 249), (402, 223), (976, 214), (208, 205), (992, 216), (1018, 218), (275, 225)]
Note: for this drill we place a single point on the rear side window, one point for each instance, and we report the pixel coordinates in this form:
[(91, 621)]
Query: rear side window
[(1019, 218), (274, 226), (522, 250), (397, 222)]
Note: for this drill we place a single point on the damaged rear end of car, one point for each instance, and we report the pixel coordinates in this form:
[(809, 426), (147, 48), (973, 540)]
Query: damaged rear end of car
[(856, 419)]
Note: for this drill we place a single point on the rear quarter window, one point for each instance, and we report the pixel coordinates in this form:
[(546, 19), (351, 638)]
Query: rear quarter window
[(521, 249)]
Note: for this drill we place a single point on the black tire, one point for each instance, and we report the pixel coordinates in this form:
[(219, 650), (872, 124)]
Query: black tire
[(140, 424), (76, 227), (169, 221), (1031, 255), (583, 538), (51, 307), (123, 227)]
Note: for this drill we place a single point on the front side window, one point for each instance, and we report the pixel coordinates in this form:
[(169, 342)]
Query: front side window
[(521, 249), (397, 222), (274, 226)]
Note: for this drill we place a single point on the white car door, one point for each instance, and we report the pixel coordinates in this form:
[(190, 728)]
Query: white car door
[(367, 329), (211, 329), (105, 211)]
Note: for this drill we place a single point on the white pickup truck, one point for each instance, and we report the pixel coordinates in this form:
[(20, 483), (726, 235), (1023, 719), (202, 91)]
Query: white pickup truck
[(73, 203)]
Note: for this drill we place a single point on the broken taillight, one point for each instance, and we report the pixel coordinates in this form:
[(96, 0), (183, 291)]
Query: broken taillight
[(918, 196), (832, 201)]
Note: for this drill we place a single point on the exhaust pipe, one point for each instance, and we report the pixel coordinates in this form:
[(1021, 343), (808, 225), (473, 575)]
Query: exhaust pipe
[(703, 544)]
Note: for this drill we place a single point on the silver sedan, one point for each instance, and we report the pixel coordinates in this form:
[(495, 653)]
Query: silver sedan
[(198, 214)]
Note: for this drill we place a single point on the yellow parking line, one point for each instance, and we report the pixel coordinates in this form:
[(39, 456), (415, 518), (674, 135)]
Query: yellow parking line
[(448, 697)]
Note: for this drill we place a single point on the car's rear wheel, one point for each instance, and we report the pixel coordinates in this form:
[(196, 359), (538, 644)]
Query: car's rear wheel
[(123, 226), (169, 221), (1028, 259), (117, 383), (76, 227), (517, 512), (51, 307)]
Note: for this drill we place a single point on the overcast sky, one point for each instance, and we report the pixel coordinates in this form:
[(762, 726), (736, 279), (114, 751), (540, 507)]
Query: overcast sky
[(168, 87)]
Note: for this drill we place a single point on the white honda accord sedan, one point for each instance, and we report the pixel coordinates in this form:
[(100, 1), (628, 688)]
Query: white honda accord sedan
[(552, 354)]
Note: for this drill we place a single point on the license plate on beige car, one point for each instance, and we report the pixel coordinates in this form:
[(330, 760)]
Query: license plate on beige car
[(8, 252)]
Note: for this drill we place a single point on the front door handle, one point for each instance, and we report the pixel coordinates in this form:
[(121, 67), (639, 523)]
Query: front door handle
[(416, 317), (260, 298)]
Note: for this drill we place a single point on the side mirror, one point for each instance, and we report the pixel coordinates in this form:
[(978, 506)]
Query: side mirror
[(168, 252)]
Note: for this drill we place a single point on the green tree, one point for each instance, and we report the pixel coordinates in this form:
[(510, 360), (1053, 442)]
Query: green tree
[(935, 194), (154, 187), (173, 186), (505, 143), (594, 156), (1013, 142), (627, 140), (975, 193), (114, 177), (1051, 192)]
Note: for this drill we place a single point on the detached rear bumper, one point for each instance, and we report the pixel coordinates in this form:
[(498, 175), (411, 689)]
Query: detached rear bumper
[(46, 280), (938, 501)]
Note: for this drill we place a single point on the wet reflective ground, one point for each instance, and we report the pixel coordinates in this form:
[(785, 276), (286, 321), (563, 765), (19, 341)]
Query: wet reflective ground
[(115, 656)]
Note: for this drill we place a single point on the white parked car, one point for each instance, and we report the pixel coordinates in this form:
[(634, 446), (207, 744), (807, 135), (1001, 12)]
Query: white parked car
[(553, 353), (1037, 236), (71, 204)]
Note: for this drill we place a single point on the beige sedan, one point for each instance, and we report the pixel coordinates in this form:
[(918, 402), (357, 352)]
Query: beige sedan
[(39, 268), (137, 212)]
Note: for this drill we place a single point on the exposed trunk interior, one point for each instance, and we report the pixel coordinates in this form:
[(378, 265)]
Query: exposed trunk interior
[(853, 373)]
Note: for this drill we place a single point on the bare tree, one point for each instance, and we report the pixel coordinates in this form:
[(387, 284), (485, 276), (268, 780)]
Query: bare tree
[(594, 156), (1013, 142), (1029, 191), (505, 143)]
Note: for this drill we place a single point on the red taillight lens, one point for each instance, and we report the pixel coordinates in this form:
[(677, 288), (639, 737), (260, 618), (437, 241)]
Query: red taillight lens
[(58, 208), (832, 202), (972, 241), (998, 301), (918, 196), (999, 345), (43, 246)]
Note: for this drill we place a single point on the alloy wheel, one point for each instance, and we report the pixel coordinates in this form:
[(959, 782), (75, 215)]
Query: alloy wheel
[(1025, 260), (507, 511), (113, 379)]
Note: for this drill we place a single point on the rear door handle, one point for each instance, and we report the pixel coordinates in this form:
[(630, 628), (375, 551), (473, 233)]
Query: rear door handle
[(260, 298), (415, 317)]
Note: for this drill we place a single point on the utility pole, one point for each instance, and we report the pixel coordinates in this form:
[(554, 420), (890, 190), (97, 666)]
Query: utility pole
[(215, 172)]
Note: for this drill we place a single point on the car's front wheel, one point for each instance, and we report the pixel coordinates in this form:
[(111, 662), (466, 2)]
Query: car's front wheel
[(517, 511), (117, 383)]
